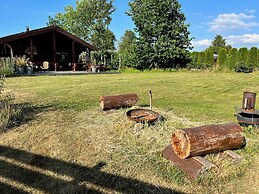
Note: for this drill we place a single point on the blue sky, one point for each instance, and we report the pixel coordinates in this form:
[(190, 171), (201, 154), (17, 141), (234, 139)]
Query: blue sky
[(236, 20)]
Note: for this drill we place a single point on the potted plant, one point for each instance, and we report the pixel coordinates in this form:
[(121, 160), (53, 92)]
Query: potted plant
[(84, 57), (21, 63), (29, 68), (93, 66)]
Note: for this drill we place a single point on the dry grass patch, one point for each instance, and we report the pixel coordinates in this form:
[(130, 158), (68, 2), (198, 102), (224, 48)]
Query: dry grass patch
[(64, 144)]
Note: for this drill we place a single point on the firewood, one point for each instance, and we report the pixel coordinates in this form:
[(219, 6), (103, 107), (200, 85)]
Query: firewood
[(207, 139), (118, 101)]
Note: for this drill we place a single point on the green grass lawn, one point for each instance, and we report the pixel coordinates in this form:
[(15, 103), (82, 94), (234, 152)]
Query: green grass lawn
[(60, 120)]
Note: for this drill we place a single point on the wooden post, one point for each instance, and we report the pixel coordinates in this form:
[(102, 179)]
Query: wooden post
[(150, 99), (73, 52), (118, 101), (54, 47), (31, 49), (207, 139)]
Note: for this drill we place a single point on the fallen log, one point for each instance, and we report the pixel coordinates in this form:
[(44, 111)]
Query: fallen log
[(118, 101), (207, 139)]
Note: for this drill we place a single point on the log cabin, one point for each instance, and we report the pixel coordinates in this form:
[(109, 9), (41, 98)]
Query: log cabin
[(53, 44)]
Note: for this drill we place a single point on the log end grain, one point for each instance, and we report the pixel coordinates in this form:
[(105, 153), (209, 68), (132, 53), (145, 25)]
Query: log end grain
[(181, 144)]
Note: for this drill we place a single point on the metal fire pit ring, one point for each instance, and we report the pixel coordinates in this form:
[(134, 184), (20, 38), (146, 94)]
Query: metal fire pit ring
[(142, 115), (248, 118)]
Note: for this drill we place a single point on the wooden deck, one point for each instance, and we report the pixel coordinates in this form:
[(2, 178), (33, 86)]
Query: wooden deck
[(55, 73)]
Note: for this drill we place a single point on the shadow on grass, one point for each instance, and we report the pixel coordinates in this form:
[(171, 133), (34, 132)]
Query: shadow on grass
[(24, 113), (20, 166)]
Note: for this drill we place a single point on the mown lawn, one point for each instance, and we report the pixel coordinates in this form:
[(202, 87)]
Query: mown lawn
[(62, 143)]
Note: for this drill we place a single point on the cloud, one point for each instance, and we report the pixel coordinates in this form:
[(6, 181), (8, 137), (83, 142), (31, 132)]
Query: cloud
[(246, 40), (243, 40), (226, 22), (201, 43), (250, 11)]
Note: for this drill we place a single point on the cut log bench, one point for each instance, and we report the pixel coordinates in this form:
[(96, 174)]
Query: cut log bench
[(189, 145), (118, 101)]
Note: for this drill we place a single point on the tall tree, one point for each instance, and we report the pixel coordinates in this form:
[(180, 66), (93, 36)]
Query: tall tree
[(222, 58), (209, 58), (163, 37), (218, 43), (241, 65), (252, 58), (104, 39), (200, 60), (127, 49), (242, 56), (89, 18), (232, 59)]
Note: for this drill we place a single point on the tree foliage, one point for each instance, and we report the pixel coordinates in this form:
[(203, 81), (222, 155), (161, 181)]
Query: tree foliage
[(232, 59), (242, 56), (209, 58), (241, 65), (200, 60), (89, 20), (252, 60), (127, 49), (218, 43), (104, 39), (222, 58), (163, 37)]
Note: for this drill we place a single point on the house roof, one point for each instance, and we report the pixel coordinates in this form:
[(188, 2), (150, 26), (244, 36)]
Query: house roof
[(30, 33)]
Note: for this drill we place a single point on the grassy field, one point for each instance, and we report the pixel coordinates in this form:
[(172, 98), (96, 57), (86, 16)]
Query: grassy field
[(60, 142)]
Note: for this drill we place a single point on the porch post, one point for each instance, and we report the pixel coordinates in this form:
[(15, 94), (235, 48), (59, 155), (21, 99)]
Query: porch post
[(31, 49), (73, 52), (54, 47)]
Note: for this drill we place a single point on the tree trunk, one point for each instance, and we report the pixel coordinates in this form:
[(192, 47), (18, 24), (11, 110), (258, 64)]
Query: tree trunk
[(207, 139), (118, 101)]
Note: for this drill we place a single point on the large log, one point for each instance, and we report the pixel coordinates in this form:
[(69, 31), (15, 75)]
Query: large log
[(207, 139), (118, 101)]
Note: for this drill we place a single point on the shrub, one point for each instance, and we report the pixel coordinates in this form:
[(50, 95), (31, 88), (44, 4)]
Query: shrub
[(209, 58), (193, 62), (232, 59), (200, 60), (5, 99), (7, 66), (222, 58), (241, 65), (252, 58)]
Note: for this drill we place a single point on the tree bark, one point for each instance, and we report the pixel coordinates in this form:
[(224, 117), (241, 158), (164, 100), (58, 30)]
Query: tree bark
[(118, 101), (207, 139)]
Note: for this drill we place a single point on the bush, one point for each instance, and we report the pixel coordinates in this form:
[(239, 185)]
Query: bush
[(200, 60), (193, 62), (232, 59), (241, 65), (5, 99), (209, 58), (252, 58), (222, 59), (7, 66)]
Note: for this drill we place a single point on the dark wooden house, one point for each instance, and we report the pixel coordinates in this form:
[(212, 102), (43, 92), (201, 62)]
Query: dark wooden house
[(52, 44)]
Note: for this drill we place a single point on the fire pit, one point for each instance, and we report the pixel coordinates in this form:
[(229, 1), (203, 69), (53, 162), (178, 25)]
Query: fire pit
[(248, 114), (142, 115)]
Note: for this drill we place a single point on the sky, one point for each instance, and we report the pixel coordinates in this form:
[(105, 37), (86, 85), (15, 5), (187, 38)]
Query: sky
[(236, 20)]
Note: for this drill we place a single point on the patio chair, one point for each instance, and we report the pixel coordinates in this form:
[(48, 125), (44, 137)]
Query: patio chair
[(45, 66)]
